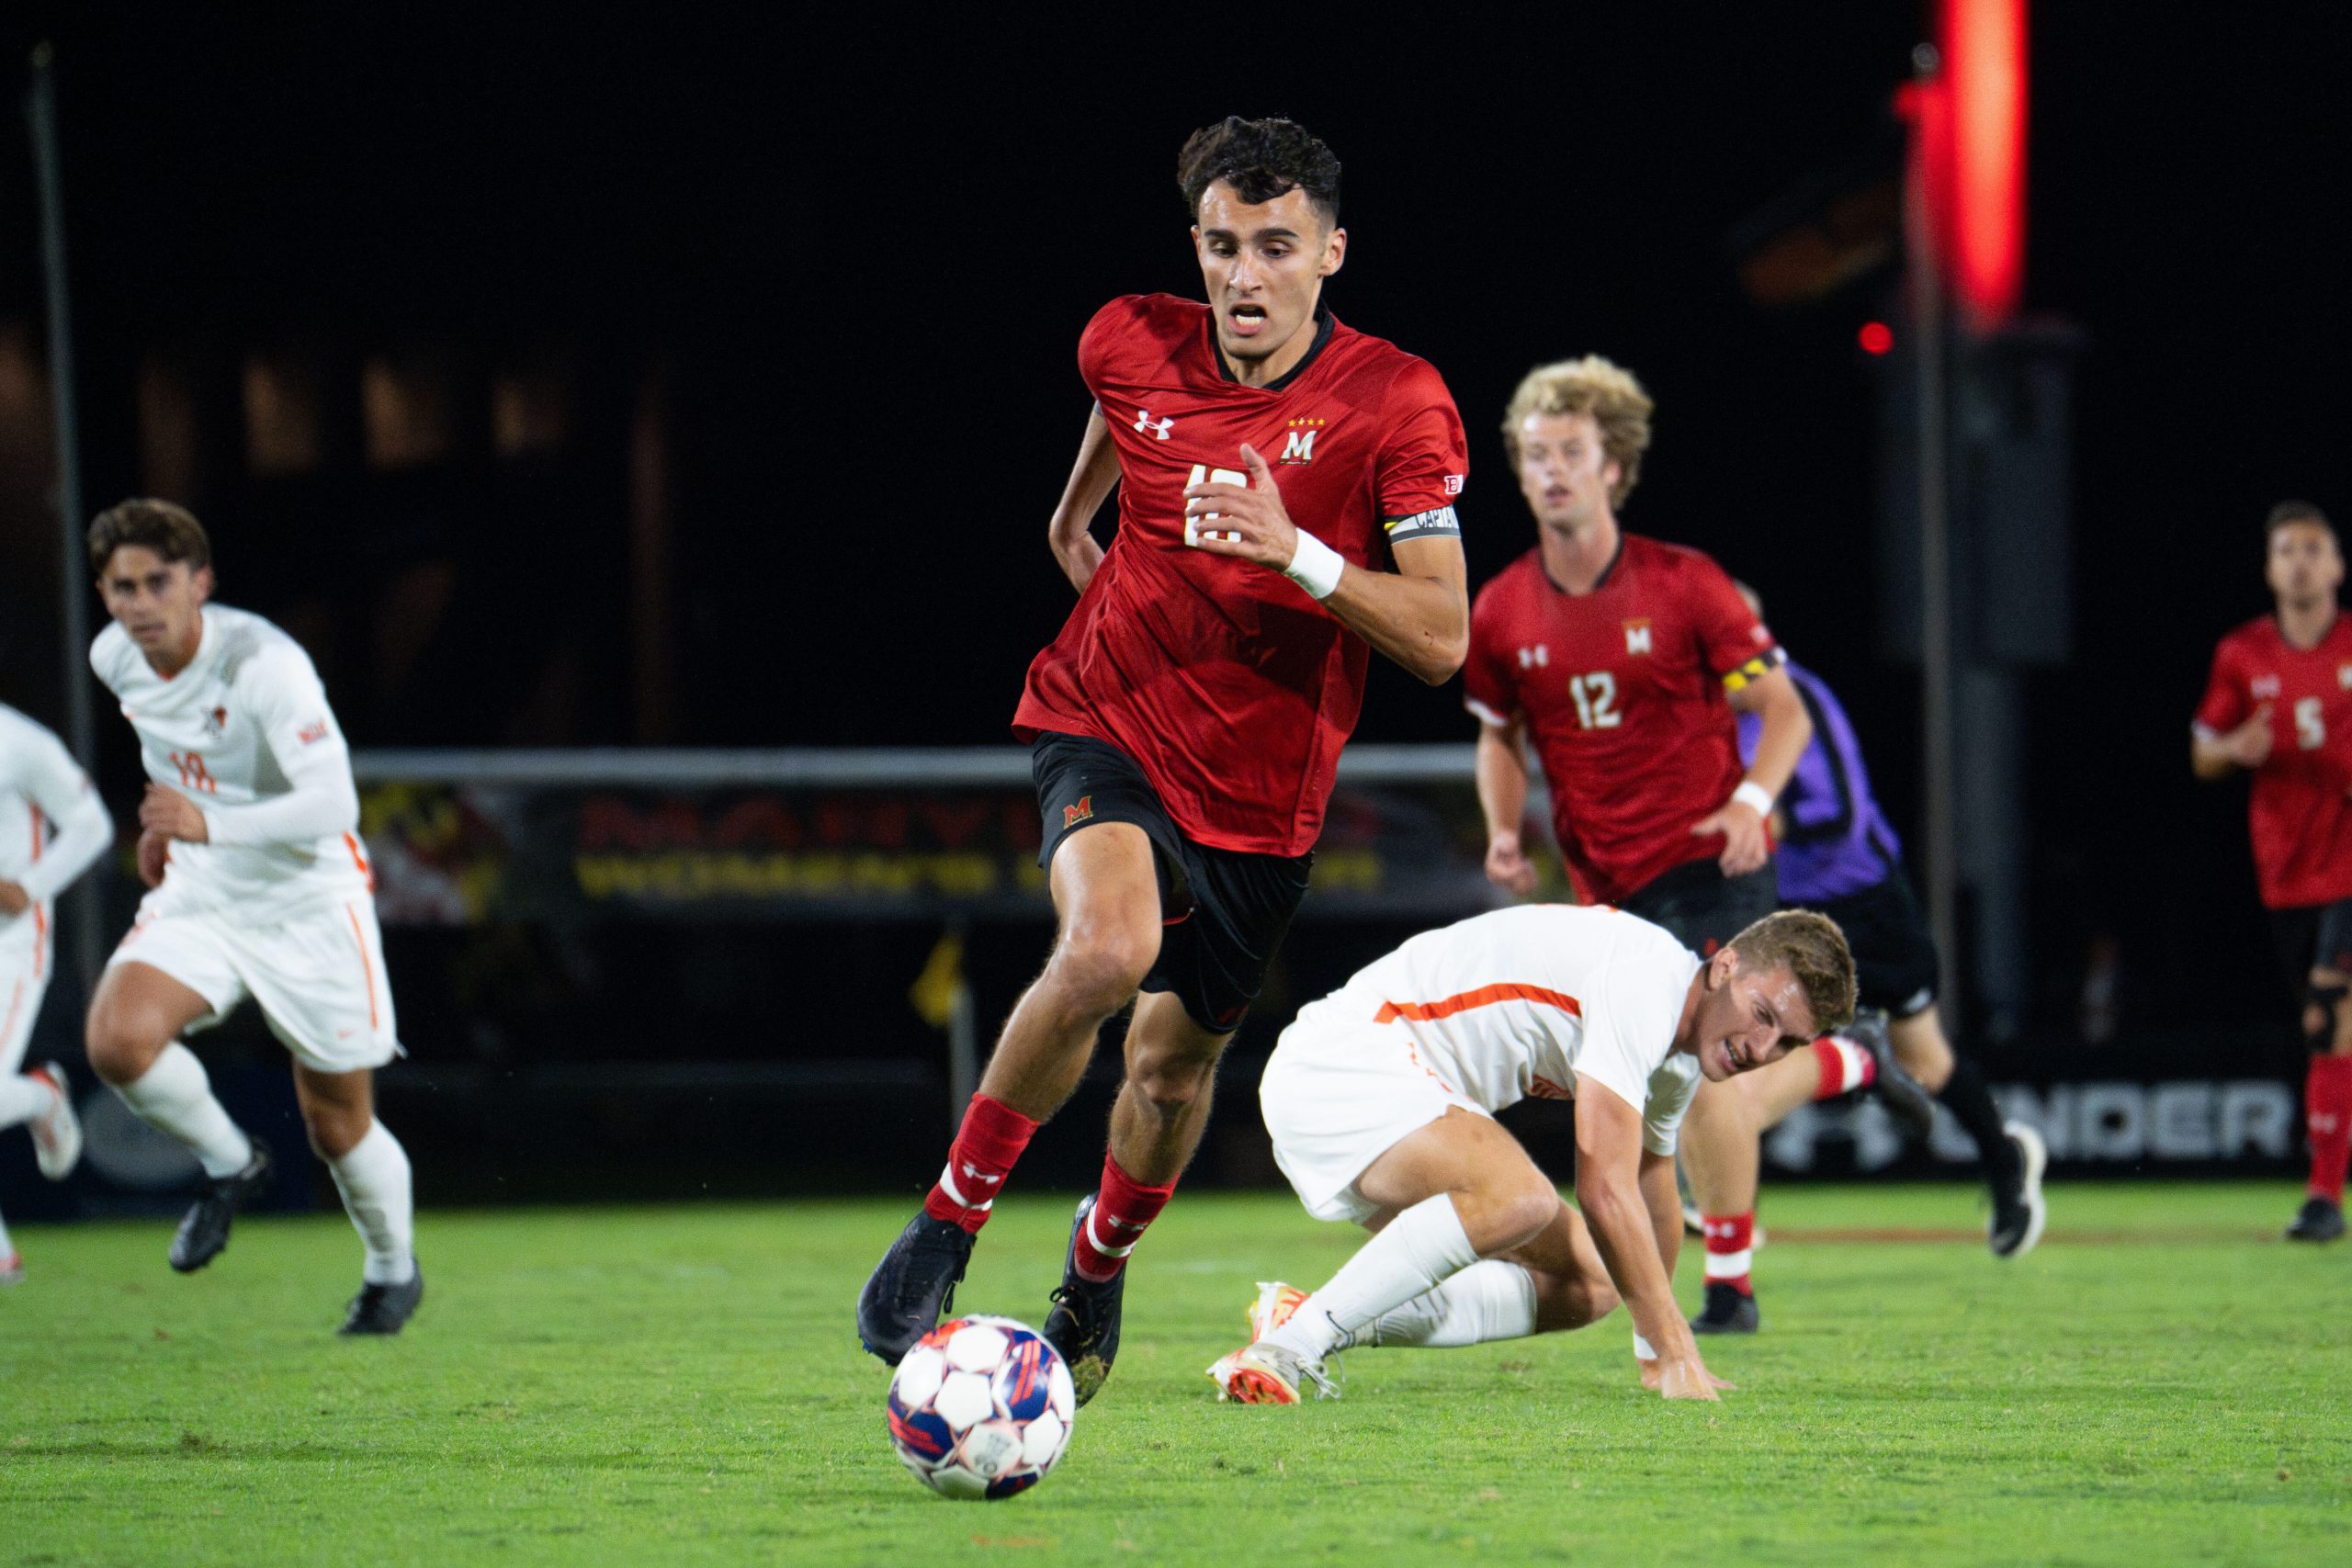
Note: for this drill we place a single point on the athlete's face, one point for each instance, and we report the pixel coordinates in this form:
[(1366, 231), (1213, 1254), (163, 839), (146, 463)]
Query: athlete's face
[(1264, 265), (2305, 567), (1748, 1017), (158, 603), (1563, 472)]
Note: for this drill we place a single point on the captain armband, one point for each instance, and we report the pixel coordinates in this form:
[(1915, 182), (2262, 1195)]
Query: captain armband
[(1437, 522), (1756, 669)]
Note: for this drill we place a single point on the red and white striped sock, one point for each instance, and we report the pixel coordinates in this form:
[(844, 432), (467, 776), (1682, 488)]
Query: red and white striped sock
[(1730, 1242), (2327, 1111), (1123, 1207), (988, 1143), (1845, 1066)]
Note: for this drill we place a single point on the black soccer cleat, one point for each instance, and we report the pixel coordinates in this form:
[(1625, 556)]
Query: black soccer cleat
[(1084, 1322), (1896, 1090), (913, 1287), (2019, 1208), (382, 1309), (2319, 1220), (204, 1229), (1728, 1311)]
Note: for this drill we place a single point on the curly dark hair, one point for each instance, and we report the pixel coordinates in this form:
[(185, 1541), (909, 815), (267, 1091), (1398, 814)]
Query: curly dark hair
[(1259, 159), (169, 530)]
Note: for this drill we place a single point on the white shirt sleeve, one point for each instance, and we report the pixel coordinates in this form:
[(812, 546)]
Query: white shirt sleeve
[(51, 780), (1671, 1090), (1630, 1029), (283, 692)]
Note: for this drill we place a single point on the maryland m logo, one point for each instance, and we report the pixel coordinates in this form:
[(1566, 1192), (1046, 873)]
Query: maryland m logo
[(1637, 636), (1073, 814), (1299, 446)]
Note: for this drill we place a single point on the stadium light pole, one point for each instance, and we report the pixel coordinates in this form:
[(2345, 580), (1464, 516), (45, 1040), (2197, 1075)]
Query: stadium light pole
[(81, 721)]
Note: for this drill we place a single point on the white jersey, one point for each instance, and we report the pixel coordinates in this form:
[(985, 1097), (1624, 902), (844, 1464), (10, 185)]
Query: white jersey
[(245, 732), (1530, 1000), (52, 825)]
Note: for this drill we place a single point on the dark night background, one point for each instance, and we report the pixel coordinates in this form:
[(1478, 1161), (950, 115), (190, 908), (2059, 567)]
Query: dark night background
[(843, 272)]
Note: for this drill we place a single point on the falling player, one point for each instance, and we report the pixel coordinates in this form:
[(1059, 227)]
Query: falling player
[(52, 825), (248, 839), (2280, 707), (1380, 1096), (1837, 854), (1285, 508)]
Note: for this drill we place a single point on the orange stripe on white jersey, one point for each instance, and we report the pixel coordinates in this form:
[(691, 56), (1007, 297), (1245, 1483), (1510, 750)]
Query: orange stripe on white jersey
[(16, 1006), (1485, 996), (360, 859), (41, 941), (367, 964)]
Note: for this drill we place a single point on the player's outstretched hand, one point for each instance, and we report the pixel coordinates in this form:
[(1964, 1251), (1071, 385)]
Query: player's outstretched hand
[(2249, 743), (1652, 1376), (1228, 520), (1508, 867), (153, 847), (1746, 846), (172, 814), (1687, 1378)]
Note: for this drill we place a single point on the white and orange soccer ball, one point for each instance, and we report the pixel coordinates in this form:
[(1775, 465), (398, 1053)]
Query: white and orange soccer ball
[(981, 1407)]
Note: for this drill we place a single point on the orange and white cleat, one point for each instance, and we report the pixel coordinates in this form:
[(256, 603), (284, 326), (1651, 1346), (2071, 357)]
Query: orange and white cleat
[(1276, 1305), (57, 1132), (1264, 1373), (12, 1269)]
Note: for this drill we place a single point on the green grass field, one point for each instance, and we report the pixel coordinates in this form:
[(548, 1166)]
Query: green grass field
[(2161, 1383)]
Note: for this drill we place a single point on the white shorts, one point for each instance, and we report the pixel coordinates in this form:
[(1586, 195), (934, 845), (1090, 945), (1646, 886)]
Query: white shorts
[(24, 977), (319, 976), (1339, 1094)]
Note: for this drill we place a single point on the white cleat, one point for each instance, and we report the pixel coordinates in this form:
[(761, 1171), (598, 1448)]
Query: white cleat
[(57, 1132), (2018, 1218), (1276, 1305), (1265, 1373)]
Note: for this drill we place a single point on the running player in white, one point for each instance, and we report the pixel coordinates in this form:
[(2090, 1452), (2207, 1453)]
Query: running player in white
[(1380, 1095), (249, 839), (52, 825)]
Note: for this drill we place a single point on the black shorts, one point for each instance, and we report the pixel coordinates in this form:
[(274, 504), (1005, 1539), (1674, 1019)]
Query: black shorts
[(1703, 908), (1894, 953), (1223, 912), (2316, 936)]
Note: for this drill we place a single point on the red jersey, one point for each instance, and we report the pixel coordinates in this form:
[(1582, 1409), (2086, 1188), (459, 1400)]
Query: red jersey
[(1624, 690), (2299, 812), (1231, 689)]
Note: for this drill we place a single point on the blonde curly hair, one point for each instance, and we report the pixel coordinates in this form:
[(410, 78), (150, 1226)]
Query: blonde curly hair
[(1601, 387)]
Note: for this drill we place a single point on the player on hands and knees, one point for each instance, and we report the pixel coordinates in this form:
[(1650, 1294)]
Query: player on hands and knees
[(52, 825), (1837, 854), (2279, 706), (1285, 507), (259, 887), (1380, 1096)]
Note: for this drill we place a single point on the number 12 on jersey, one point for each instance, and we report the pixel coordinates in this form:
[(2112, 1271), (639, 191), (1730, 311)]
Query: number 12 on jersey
[(1204, 475), (1596, 699)]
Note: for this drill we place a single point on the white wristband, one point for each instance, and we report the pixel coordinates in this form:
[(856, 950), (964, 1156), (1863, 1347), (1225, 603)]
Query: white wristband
[(1315, 566), (1755, 796), (1642, 1350)]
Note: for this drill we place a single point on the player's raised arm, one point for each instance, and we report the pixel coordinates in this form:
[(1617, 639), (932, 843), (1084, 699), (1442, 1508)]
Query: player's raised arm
[(1091, 478), (1609, 1191), (1418, 615)]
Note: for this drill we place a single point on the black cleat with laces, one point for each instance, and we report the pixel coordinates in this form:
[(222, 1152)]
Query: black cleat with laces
[(913, 1287), (1084, 1322), (204, 1230), (1901, 1093), (2318, 1221), (1728, 1311), (382, 1309)]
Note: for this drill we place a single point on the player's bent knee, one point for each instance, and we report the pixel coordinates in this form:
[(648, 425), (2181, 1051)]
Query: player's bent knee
[(1510, 1216), (123, 1043), (1097, 967)]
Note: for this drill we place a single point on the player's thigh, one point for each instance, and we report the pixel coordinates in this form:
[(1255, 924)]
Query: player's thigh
[(337, 1108), (23, 981), (319, 979), (1462, 1152), (1337, 1094), (181, 978), (1105, 884), (1919, 1044)]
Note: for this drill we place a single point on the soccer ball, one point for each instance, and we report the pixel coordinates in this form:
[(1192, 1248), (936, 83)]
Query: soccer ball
[(981, 1407)]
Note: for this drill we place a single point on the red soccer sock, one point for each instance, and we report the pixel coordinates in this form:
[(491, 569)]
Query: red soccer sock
[(1123, 1206), (987, 1144), (1730, 1239), (1845, 1066), (2327, 1105)]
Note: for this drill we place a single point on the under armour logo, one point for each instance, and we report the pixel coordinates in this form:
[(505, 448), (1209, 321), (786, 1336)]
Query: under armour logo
[(1534, 658), (1147, 425), (979, 1175)]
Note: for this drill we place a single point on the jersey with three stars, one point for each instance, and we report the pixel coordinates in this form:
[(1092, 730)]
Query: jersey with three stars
[(233, 730), (1230, 687)]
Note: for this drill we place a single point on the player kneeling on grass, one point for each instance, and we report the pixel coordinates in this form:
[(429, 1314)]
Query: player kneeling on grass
[(249, 839), (1380, 1101)]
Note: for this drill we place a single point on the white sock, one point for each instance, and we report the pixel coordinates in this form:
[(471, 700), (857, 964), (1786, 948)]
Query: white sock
[(1419, 1249), (175, 1097), (373, 1179), (1490, 1300), (22, 1097)]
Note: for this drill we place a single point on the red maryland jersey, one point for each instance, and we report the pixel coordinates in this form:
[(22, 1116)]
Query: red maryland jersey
[(1231, 689), (2299, 812), (1624, 690)]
